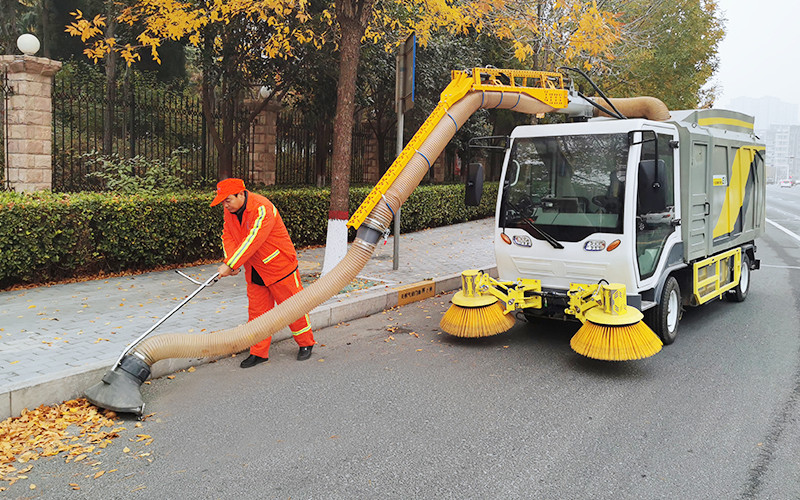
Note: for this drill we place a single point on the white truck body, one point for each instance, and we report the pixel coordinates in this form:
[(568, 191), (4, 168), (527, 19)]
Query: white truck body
[(631, 201)]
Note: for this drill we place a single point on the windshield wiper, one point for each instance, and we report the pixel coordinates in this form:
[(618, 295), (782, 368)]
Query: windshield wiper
[(527, 224)]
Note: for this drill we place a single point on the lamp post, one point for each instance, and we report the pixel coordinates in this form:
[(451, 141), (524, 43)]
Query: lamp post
[(28, 44)]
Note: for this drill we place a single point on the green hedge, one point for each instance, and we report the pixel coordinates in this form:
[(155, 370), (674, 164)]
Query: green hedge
[(52, 236)]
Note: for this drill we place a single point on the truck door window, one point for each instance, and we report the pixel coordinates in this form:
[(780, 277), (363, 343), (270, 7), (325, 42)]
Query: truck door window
[(655, 203), (570, 186)]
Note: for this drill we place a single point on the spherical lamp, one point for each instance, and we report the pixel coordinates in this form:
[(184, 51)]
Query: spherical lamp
[(263, 92), (28, 44)]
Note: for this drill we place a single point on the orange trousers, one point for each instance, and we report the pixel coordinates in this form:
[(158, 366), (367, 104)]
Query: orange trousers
[(263, 298)]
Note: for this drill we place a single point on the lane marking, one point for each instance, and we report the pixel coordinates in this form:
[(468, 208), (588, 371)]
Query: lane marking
[(784, 230), (780, 267)]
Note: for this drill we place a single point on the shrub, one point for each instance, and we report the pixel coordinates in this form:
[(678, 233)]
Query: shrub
[(51, 236)]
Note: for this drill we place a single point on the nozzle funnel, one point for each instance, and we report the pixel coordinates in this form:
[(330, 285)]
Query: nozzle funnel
[(119, 389)]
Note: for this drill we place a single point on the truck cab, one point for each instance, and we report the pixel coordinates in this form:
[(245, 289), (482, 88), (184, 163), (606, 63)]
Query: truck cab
[(669, 209), (584, 202)]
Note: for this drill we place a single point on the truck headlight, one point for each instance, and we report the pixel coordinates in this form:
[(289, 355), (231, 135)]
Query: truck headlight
[(523, 241), (594, 245)]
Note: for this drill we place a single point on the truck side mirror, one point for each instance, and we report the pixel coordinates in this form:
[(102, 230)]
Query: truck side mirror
[(474, 189), (652, 195)]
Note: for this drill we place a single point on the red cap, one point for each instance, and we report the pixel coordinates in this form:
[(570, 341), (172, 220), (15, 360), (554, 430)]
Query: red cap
[(226, 188)]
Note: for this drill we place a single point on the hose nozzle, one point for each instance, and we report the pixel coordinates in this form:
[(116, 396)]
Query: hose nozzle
[(119, 389)]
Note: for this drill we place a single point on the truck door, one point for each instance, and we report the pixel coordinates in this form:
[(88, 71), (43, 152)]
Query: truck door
[(655, 205), (699, 206)]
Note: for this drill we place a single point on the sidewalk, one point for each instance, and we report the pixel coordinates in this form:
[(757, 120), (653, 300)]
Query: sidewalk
[(56, 341)]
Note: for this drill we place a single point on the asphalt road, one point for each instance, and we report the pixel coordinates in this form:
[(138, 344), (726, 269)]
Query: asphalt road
[(389, 407)]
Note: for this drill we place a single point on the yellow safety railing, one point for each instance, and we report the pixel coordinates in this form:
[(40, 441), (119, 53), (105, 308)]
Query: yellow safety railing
[(712, 276)]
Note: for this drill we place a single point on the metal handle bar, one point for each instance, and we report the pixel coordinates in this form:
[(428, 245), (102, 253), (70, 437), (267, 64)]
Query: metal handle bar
[(210, 281)]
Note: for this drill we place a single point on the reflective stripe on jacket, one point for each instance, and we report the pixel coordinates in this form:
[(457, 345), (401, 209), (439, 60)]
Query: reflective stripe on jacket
[(261, 241)]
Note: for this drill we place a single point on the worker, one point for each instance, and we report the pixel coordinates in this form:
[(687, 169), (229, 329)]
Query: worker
[(255, 237)]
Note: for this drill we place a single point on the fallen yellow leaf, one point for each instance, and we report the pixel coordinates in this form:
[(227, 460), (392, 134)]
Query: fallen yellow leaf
[(33, 486), (126, 450), (31, 307), (100, 473), (191, 369)]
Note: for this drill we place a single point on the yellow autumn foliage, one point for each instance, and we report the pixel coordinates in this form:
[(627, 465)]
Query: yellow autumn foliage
[(559, 30)]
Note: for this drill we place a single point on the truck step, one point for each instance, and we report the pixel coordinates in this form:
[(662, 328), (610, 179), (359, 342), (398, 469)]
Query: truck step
[(646, 304)]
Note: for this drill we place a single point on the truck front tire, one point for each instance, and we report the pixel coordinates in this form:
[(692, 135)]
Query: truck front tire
[(664, 317)]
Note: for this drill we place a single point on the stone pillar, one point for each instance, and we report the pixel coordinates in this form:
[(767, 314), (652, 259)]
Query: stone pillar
[(438, 168), (30, 121), (371, 168), (263, 154)]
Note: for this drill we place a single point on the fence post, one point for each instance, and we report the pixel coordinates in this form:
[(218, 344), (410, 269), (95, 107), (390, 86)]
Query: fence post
[(30, 121)]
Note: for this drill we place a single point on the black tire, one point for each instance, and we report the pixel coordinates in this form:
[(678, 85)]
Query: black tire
[(739, 293), (664, 317)]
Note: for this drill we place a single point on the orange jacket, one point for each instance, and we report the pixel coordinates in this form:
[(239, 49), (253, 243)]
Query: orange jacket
[(261, 241)]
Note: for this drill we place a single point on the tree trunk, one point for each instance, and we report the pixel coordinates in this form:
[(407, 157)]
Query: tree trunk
[(111, 86), (352, 16), (349, 50), (8, 21), (226, 149), (46, 36)]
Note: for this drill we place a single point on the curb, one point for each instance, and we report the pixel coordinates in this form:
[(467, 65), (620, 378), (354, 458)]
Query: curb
[(69, 384)]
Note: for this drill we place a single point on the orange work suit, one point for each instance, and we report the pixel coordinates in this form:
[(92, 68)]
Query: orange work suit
[(261, 243)]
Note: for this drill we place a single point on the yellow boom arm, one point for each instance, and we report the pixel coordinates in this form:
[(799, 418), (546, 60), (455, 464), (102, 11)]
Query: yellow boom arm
[(547, 87)]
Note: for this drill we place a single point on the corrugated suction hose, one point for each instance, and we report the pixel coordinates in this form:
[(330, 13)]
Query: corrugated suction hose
[(237, 339), (647, 107)]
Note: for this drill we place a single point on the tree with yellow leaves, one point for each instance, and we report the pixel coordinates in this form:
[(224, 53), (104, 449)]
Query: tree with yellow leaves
[(236, 31)]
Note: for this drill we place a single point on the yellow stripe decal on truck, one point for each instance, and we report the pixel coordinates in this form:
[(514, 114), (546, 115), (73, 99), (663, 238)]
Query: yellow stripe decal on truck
[(735, 194), (724, 121)]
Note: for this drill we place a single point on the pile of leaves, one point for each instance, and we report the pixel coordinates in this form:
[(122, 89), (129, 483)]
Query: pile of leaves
[(75, 428)]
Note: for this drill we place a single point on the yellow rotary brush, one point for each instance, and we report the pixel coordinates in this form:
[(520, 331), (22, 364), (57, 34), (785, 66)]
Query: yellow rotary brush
[(473, 314), (613, 332)]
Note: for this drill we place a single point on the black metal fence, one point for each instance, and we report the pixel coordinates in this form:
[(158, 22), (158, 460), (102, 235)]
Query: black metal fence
[(142, 118), (5, 94), (303, 151), (146, 118)]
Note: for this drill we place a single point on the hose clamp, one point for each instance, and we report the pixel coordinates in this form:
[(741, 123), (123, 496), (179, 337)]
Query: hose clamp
[(375, 224), (364, 244)]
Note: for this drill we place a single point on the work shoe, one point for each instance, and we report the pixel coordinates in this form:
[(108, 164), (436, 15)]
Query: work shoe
[(304, 353), (252, 360)]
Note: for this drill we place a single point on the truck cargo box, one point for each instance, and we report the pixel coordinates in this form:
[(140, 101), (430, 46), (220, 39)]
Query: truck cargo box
[(723, 181)]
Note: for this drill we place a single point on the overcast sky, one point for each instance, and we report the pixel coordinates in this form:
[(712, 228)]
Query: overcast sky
[(759, 55)]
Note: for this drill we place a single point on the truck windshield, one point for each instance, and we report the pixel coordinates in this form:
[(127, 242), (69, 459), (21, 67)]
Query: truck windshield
[(568, 186)]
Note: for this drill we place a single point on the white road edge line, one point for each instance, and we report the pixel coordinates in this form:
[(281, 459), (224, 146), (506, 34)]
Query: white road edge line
[(784, 230)]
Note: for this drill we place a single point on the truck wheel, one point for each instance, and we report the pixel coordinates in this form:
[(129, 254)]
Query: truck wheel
[(664, 317), (739, 293)]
